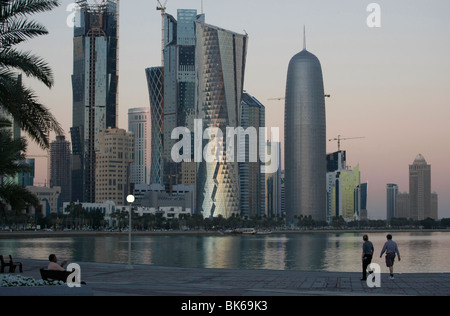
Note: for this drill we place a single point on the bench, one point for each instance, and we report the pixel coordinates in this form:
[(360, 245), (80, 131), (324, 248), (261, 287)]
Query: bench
[(55, 275), (12, 265)]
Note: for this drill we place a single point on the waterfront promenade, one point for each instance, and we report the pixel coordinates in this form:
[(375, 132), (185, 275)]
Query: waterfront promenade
[(105, 279)]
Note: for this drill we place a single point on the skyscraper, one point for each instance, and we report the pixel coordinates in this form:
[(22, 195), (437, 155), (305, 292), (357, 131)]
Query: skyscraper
[(94, 85), (220, 64), (391, 200), (60, 168), (420, 189), (403, 205), (252, 181), (363, 190), (305, 138), (179, 84), (139, 124), (155, 82), (273, 183)]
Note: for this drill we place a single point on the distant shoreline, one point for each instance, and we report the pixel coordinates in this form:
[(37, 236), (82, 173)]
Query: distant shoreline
[(47, 234)]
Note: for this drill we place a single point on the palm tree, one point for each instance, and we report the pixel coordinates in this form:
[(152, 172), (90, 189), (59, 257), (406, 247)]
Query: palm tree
[(21, 102), (11, 153)]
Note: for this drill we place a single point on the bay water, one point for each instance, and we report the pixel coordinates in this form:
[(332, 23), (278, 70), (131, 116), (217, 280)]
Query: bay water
[(421, 252)]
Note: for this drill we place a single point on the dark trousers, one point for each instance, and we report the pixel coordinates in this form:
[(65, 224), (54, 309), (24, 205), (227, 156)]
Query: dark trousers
[(366, 261)]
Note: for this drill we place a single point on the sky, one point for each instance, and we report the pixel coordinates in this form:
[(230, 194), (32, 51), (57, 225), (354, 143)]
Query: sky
[(388, 84)]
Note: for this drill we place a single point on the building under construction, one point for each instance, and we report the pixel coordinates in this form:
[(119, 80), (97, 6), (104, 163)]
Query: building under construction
[(95, 89)]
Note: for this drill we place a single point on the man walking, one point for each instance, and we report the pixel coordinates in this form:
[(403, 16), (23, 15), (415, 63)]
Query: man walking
[(390, 247), (367, 252)]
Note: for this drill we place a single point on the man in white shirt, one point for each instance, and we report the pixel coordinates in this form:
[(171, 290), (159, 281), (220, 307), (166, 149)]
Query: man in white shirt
[(53, 264)]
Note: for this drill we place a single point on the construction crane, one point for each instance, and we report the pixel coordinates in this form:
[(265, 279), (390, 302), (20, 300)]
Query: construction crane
[(162, 7), (339, 139)]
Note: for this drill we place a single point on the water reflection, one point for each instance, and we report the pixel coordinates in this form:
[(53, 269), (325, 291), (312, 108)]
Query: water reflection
[(421, 252)]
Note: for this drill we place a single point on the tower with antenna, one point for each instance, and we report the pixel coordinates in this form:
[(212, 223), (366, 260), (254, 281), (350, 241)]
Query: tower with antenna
[(304, 37), (305, 138)]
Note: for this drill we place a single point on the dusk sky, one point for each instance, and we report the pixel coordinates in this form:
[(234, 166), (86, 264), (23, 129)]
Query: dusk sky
[(388, 84)]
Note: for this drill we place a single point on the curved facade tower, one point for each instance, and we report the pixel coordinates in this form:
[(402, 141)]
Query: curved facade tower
[(220, 58), (305, 139), (155, 82)]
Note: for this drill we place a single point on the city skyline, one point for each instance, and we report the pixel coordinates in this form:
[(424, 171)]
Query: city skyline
[(386, 84)]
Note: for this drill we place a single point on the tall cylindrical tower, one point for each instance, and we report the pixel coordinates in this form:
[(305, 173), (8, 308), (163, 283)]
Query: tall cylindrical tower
[(305, 139)]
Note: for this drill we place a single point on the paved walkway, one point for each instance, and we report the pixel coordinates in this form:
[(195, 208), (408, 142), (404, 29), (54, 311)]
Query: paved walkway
[(105, 279)]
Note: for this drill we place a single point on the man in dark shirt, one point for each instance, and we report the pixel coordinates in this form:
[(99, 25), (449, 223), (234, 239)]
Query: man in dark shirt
[(367, 253), (390, 247)]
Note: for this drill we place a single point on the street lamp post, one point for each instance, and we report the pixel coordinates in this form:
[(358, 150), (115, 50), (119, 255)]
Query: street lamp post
[(130, 200)]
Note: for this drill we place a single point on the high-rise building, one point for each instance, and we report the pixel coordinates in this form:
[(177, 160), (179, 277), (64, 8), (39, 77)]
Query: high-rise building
[(94, 86), (434, 205), (273, 184), (252, 181), (60, 168), (348, 181), (363, 190), (346, 196), (155, 82), (179, 84), (220, 63), (336, 161), (391, 200), (402, 205), (420, 189), (112, 173), (305, 139), (139, 123)]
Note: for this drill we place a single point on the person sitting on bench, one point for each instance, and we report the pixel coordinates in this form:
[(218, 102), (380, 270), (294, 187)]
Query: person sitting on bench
[(53, 264)]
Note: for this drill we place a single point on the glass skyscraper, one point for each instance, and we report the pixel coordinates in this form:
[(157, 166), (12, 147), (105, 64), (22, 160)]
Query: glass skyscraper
[(220, 56), (252, 181), (179, 83), (155, 82), (94, 86), (305, 139), (391, 200), (139, 124), (60, 167)]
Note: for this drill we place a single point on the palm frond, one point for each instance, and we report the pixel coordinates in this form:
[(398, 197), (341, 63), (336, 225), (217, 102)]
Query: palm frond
[(12, 153), (21, 102), (17, 196), (34, 118), (30, 64), (12, 8), (19, 30)]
